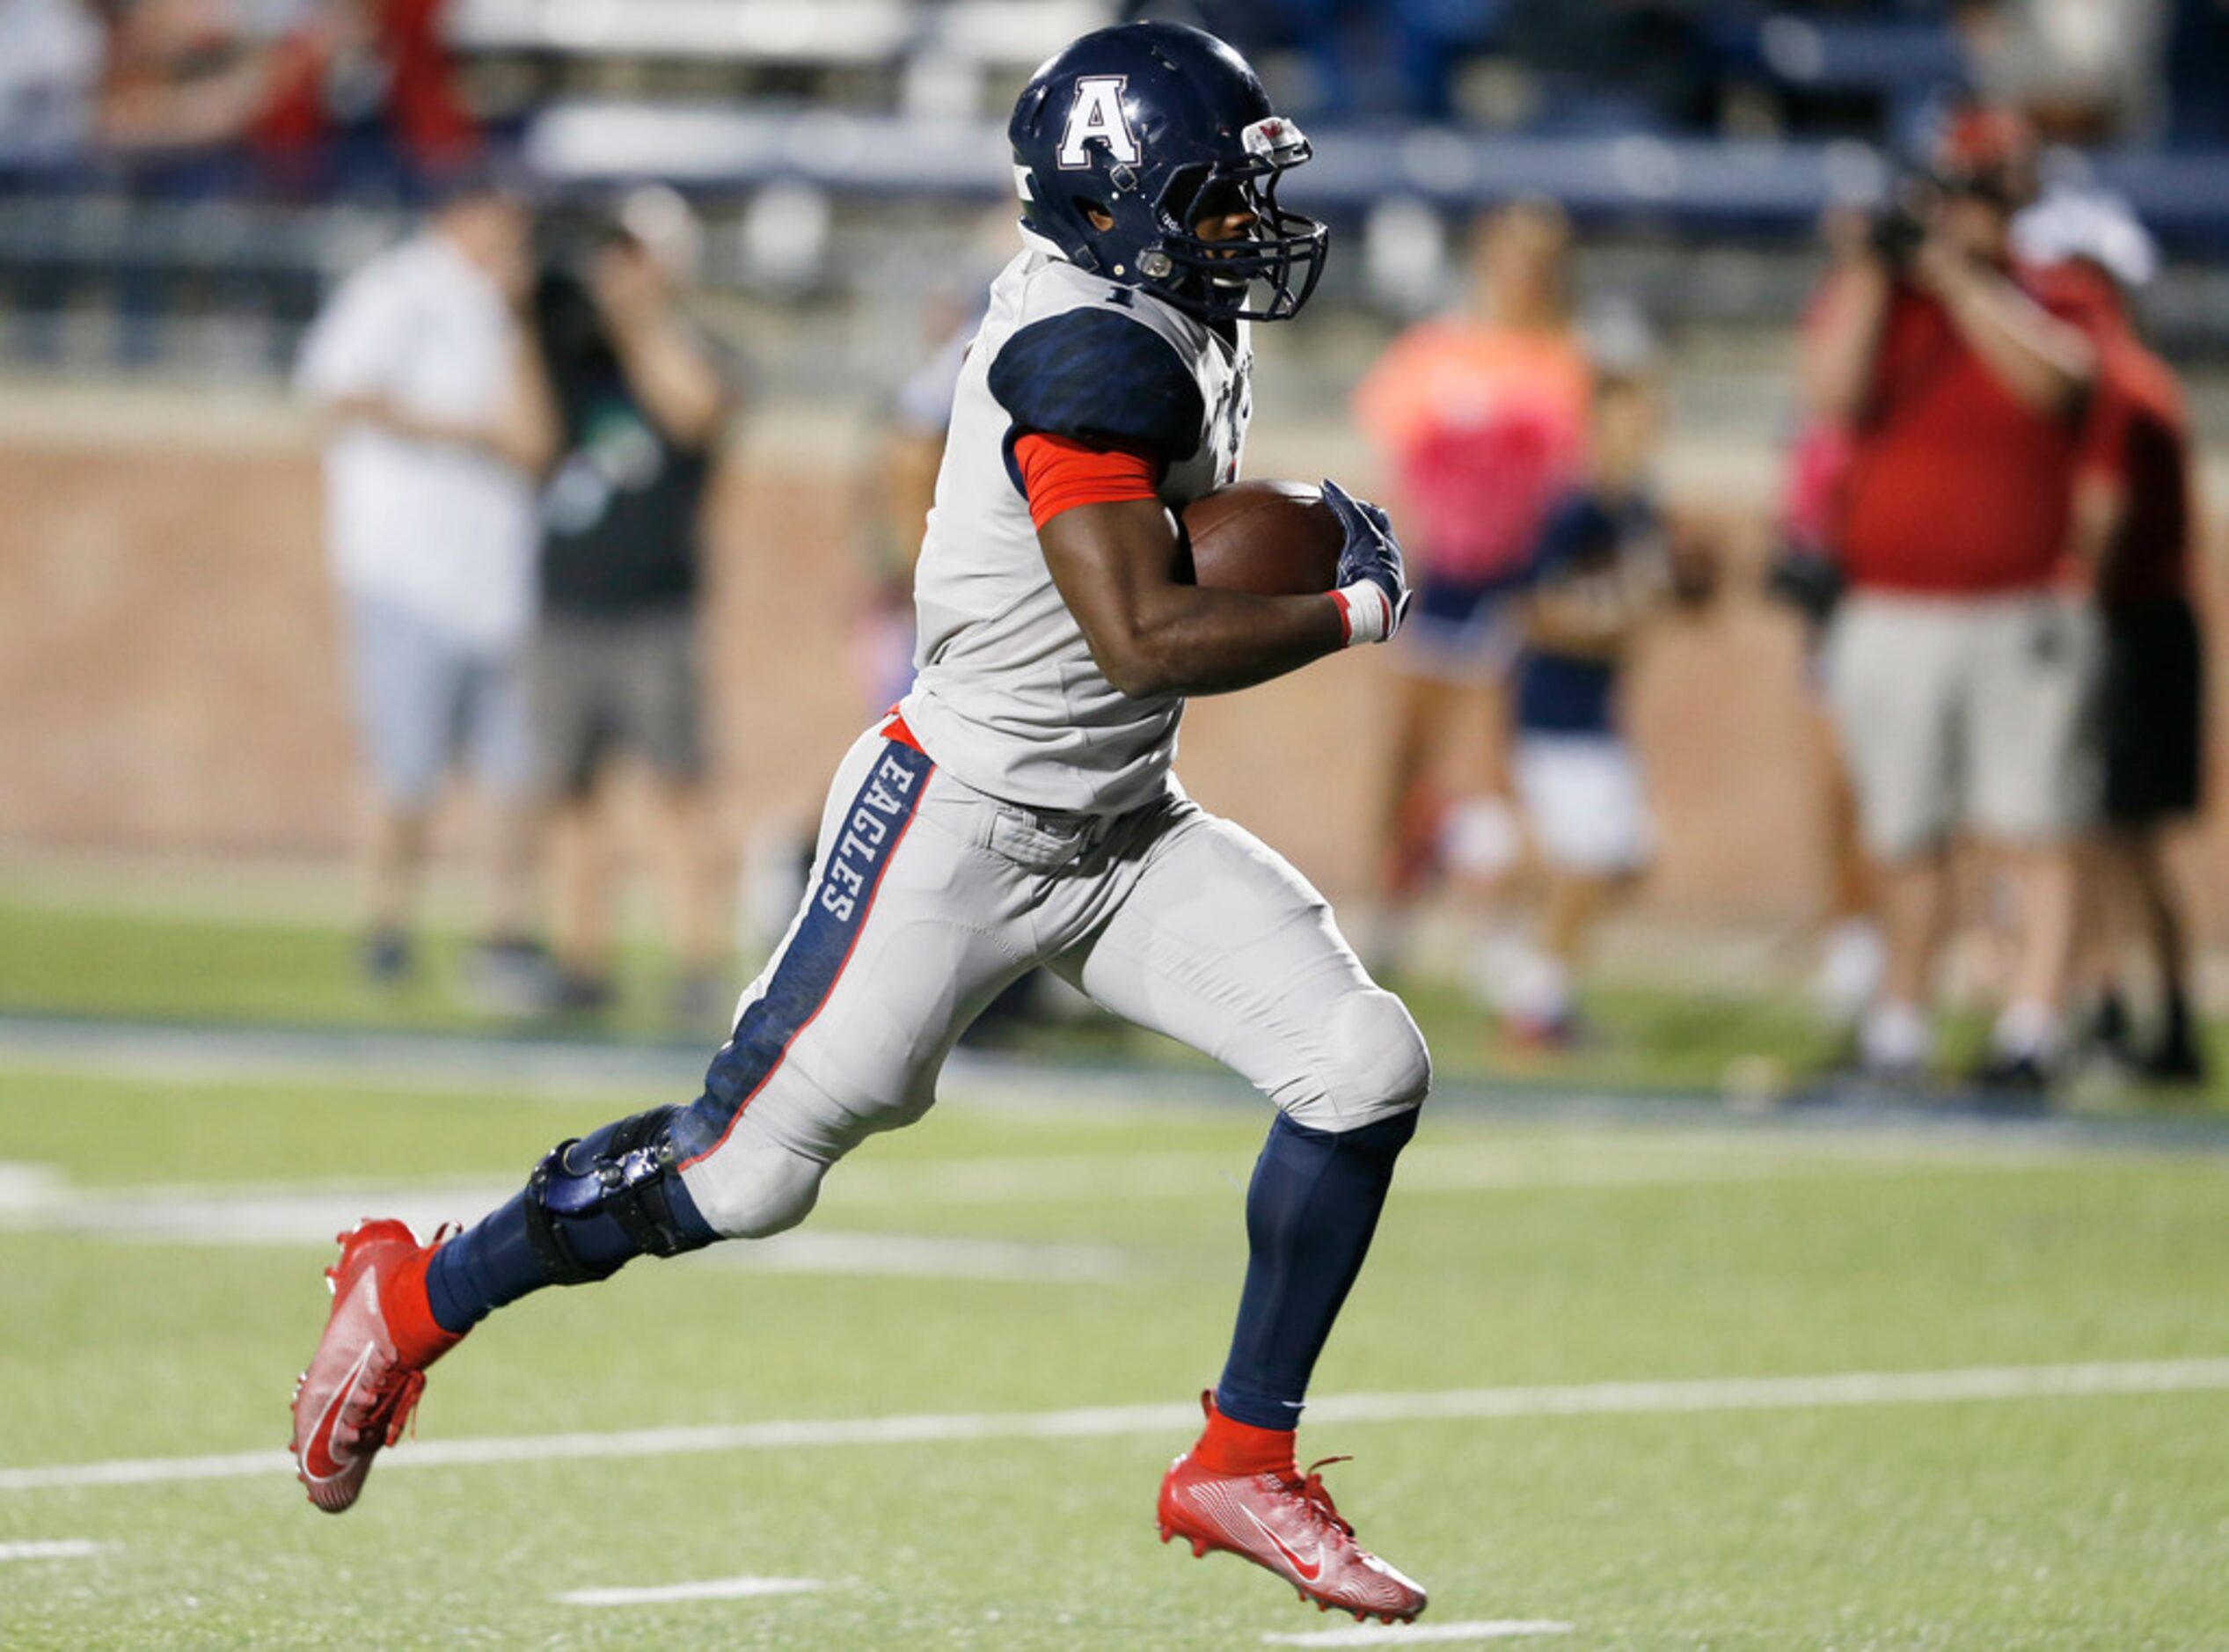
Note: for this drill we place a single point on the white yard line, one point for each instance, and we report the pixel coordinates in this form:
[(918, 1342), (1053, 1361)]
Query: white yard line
[(1421, 1634), (309, 1214), (51, 1549), (715, 1588), (1729, 1393), (296, 1212)]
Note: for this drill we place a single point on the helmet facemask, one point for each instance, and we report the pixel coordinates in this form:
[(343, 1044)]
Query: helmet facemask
[(1282, 253)]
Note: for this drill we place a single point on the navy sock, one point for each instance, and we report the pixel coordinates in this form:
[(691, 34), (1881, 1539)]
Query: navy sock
[(1311, 1210), (495, 1262)]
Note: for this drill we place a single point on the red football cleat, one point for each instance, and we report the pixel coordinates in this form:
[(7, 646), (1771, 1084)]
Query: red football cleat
[(1288, 1526), (358, 1393)]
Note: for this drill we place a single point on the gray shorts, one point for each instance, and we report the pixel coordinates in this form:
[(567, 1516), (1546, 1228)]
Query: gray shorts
[(426, 702), (1979, 713), (605, 686)]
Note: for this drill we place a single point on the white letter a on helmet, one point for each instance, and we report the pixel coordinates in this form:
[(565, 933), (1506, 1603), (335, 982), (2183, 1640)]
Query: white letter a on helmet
[(1097, 112)]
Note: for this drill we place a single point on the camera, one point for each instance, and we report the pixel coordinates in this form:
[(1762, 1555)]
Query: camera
[(565, 318), (1899, 223)]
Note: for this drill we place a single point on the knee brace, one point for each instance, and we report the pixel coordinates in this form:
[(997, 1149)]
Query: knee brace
[(621, 1177)]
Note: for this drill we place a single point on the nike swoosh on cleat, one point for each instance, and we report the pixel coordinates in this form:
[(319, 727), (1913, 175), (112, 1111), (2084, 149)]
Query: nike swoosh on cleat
[(320, 1445), (1310, 1571)]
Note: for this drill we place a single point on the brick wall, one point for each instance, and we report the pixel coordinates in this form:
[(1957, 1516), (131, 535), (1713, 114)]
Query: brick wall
[(168, 677)]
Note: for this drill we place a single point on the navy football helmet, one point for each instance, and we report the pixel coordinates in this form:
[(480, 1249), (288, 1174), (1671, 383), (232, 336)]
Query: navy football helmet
[(1159, 125)]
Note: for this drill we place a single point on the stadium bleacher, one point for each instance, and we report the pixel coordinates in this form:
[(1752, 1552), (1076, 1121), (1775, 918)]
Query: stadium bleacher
[(862, 107)]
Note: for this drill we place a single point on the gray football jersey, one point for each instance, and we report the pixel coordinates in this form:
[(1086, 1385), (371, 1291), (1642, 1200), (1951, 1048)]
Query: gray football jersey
[(1008, 697)]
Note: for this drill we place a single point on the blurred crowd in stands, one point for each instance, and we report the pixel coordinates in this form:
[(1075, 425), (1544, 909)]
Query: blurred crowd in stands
[(289, 94), (2087, 71), (310, 94)]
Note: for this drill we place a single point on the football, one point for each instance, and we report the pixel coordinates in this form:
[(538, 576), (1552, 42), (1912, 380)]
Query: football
[(1266, 538)]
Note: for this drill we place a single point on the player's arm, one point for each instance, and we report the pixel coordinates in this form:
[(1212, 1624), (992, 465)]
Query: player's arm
[(1101, 406), (1114, 562)]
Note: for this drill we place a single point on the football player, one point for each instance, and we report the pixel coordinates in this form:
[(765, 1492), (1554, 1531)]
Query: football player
[(1017, 809)]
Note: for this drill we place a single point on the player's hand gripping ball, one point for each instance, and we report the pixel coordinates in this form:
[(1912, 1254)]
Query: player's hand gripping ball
[(1371, 583), (1289, 539)]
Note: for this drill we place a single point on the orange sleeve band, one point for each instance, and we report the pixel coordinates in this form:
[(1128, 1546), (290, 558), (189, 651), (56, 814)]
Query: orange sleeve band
[(1059, 474)]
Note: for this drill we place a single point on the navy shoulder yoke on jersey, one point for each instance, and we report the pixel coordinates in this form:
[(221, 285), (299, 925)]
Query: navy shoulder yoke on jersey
[(1099, 376)]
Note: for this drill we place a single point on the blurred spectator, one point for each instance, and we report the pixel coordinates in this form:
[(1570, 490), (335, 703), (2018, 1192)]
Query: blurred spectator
[(2135, 525), (50, 70), (1600, 573), (643, 399), (1807, 576), (282, 83), (191, 74), (1807, 573), (2085, 71), (1483, 415), (1962, 675), (435, 424), (371, 66)]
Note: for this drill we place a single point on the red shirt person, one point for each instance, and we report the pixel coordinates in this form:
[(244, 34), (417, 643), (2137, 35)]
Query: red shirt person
[(2135, 472), (1955, 483), (2134, 531), (1962, 671)]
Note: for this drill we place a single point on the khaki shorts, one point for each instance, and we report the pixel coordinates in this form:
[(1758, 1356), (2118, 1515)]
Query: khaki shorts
[(1979, 714)]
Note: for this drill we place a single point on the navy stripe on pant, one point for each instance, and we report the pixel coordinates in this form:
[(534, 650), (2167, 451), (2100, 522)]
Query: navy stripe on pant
[(852, 871)]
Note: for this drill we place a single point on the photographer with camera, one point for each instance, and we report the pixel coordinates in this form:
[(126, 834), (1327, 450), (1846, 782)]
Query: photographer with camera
[(642, 398), (1962, 672)]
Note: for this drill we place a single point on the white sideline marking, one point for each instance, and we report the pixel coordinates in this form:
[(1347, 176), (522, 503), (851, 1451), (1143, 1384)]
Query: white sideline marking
[(51, 1549), (1725, 1393), (717, 1588), (1418, 1633), (39, 1197), (35, 1198)]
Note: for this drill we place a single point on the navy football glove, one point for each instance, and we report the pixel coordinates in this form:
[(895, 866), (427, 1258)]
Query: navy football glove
[(1370, 588)]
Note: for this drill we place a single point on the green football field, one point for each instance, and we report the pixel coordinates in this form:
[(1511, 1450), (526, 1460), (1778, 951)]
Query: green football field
[(161, 951), (1648, 1376)]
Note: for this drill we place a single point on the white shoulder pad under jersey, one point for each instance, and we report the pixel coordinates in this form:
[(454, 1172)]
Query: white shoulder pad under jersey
[(1008, 697)]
